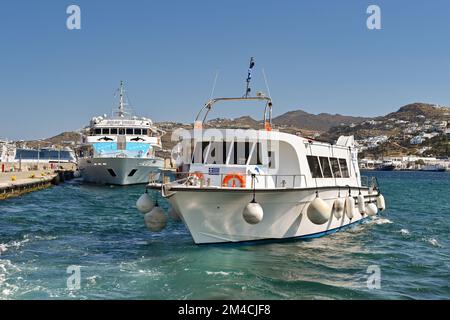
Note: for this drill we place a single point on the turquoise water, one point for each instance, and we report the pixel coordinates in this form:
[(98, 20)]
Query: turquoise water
[(98, 229)]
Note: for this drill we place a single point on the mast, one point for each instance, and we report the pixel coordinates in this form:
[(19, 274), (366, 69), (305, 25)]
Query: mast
[(121, 101), (249, 76)]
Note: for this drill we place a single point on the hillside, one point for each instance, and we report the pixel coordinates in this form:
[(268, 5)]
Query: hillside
[(319, 122), (414, 129), (408, 119), (411, 111), (62, 139), (390, 134)]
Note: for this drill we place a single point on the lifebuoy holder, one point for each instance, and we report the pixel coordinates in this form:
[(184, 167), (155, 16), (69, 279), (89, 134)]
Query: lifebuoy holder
[(198, 174)]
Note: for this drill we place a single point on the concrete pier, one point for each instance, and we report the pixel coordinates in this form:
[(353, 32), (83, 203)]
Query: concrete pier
[(13, 184)]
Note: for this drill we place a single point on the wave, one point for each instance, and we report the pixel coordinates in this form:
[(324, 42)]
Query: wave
[(7, 289), (405, 232), (433, 242), (223, 273), (380, 221)]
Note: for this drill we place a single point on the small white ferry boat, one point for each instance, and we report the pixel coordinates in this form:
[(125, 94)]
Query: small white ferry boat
[(120, 150), (249, 185)]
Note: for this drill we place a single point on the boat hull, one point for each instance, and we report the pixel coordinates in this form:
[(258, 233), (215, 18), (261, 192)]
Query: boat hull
[(216, 216), (119, 171)]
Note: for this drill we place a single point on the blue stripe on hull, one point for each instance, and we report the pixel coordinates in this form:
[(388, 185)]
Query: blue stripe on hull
[(298, 238)]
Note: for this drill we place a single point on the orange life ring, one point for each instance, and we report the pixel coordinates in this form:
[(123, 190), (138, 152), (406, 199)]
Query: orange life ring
[(234, 177)]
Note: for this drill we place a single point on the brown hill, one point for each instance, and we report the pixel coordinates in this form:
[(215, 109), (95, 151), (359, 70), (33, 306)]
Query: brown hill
[(319, 122), (411, 111)]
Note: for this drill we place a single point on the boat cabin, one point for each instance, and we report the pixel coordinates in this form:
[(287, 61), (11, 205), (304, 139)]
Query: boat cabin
[(263, 158)]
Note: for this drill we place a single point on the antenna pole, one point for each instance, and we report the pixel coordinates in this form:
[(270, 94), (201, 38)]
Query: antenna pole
[(249, 76)]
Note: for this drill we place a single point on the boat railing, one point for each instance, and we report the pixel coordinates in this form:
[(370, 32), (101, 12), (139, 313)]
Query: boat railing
[(170, 179), (369, 182)]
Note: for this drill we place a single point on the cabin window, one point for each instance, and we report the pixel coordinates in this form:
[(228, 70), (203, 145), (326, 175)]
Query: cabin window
[(326, 169), (218, 153), (314, 166), (344, 168), (98, 131), (130, 131), (198, 156), (271, 159), (105, 131), (138, 132), (144, 132), (335, 167), (255, 157), (121, 131), (113, 130), (241, 153)]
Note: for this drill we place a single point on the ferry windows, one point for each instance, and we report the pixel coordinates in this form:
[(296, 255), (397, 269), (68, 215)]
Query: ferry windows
[(344, 168), (105, 131), (323, 167), (113, 130), (217, 153), (98, 131), (121, 131), (326, 169), (314, 166), (144, 132), (198, 155), (256, 155), (130, 131), (271, 158), (138, 132), (335, 167), (241, 153)]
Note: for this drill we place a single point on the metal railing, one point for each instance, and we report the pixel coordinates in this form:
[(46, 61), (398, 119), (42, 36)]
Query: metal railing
[(369, 182), (208, 180)]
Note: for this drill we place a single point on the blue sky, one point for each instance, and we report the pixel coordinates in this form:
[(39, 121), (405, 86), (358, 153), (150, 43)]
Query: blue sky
[(318, 56)]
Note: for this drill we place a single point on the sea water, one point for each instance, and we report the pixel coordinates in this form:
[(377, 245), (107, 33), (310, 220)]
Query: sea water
[(402, 254)]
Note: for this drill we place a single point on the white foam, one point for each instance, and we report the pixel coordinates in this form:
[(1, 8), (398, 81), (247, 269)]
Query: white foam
[(223, 273), (93, 279), (405, 232), (433, 242), (6, 289), (380, 221)]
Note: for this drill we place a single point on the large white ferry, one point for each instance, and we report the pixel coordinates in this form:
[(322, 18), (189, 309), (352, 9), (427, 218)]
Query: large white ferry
[(120, 150), (248, 185)]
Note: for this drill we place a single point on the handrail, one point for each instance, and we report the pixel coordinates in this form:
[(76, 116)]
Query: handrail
[(370, 182), (279, 181), (267, 110)]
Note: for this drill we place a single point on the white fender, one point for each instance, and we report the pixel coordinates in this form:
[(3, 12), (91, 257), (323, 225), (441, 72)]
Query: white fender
[(155, 220), (253, 213), (338, 208), (318, 211), (381, 204), (349, 207), (145, 203), (371, 209), (361, 204)]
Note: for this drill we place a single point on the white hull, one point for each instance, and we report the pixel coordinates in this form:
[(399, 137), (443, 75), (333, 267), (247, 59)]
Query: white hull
[(119, 171), (216, 216)]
